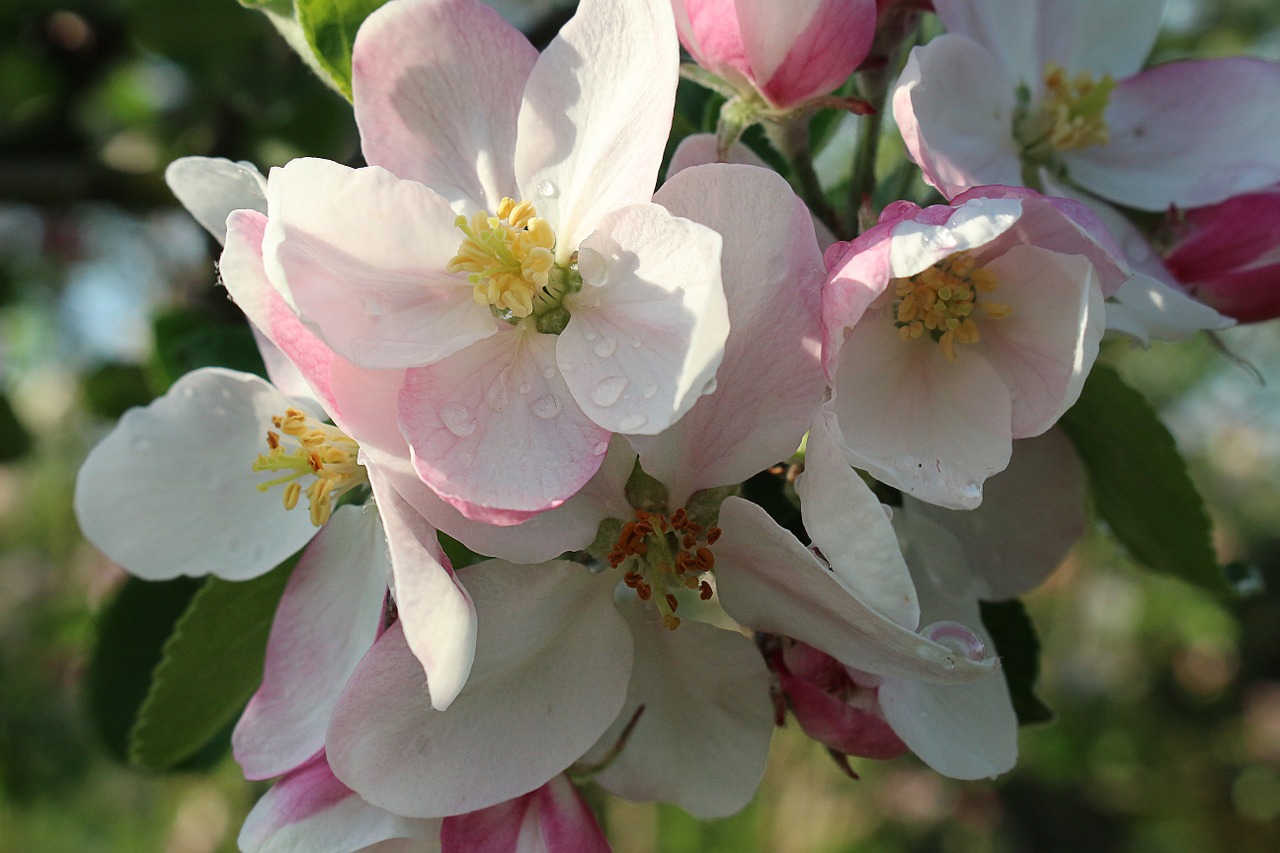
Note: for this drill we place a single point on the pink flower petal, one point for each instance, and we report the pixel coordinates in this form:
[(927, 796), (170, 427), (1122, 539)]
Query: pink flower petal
[(362, 256), (552, 819), (709, 30), (437, 87), (648, 327), (328, 618), (596, 114), (552, 663), (770, 381), (802, 50), (495, 431)]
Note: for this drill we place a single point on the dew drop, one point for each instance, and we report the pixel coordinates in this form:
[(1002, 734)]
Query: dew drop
[(605, 347), (709, 388), (591, 336), (631, 422), (608, 390), (546, 189), (948, 663), (636, 343), (649, 391), (592, 267), (545, 407), (548, 372), (141, 444), (373, 307), (525, 388), (458, 419), (957, 638), (600, 448), (187, 393)]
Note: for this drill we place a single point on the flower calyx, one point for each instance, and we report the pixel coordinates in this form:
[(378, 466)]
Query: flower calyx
[(301, 446)]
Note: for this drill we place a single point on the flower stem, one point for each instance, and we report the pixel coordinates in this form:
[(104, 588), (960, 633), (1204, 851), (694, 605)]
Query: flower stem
[(790, 136)]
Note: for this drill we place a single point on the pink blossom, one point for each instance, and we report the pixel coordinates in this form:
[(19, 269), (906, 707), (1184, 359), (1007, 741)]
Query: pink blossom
[(1228, 255), (788, 52)]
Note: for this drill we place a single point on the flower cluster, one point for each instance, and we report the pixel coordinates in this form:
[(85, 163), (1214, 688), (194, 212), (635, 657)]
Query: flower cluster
[(500, 331)]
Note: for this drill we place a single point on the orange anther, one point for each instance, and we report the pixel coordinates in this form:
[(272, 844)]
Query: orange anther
[(705, 591)]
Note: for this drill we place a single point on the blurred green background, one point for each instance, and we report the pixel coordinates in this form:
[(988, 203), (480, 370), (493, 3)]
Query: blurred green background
[(1168, 729)]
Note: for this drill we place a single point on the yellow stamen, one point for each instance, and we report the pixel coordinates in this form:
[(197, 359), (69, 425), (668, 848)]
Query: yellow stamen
[(507, 258), (1073, 108), (309, 448), (940, 300)]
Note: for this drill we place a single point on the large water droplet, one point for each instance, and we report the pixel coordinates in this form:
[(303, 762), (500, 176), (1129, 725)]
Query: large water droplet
[(458, 419), (608, 390), (631, 422), (709, 388), (649, 391), (605, 347), (546, 189), (958, 638), (545, 407)]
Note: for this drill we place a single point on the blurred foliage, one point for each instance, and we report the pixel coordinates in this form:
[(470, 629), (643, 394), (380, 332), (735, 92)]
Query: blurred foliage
[(1167, 730)]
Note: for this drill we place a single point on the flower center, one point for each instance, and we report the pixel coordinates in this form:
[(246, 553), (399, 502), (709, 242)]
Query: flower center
[(940, 301), (509, 259), (1070, 116), (305, 447), (665, 554)]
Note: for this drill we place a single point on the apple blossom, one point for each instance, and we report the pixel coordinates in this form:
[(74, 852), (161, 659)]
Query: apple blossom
[(952, 330), (552, 819), (787, 53), (1018, 89), (576, 308)]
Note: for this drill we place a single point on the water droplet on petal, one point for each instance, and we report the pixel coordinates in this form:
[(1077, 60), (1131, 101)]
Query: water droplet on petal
[(631, 422), (608, 390), (649, 391), (373, 306), (957, 638), (600, 448), (525, 388), (591, 336), (948, 663), (458, 419), (592, 267), (635, 342), (548, 372), (187, 393), (141, 444), (545, 407), (546, 189), (605, 347), (709, 388)]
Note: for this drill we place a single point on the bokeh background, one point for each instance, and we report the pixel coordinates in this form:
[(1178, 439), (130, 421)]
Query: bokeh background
[(1167, 735)]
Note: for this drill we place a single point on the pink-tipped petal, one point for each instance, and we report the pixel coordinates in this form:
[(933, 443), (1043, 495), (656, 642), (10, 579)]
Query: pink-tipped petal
[(596, 113), (1186, 133), (495, 430), (552, 819), (362, 256), (552, 663), (328, 618), (437, 87), (436, 613), (702, 738), (310, 810), (770, 381), (954, 106), (184, 463), (768, 581), (805, 49), (649, 325)]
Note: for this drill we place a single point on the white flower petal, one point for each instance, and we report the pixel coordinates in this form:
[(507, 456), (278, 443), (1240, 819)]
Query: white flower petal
[(211, 187)]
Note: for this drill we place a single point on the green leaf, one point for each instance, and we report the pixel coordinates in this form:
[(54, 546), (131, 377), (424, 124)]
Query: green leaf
[(112, 389), (15, 441), (1139, 481), (186, 340), (330, 28), (131, 631), (1019, 648), (212, 664)]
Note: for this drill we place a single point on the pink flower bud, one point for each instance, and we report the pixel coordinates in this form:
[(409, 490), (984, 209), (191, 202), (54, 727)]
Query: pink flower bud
[(1227, 255), (788, 52)]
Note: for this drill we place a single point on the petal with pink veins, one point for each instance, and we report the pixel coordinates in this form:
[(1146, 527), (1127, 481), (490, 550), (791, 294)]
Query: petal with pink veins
[(437, 88), (802, 50), (495, 430), (551, 670), (770, 380), (702, 738), (310, 811), (436, 613), (1186, 133), (362, 255), (596, 114), (171, 490), (934, 428), (1046, 346), (328, 618), (649, 325), (768, 581)]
